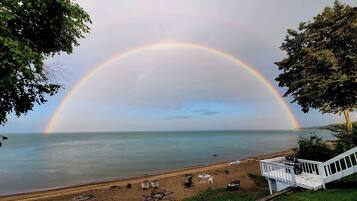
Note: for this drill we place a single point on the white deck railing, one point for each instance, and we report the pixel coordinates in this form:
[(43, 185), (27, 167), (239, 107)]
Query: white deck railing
[(336, 168), (309, 166), (278, 171)]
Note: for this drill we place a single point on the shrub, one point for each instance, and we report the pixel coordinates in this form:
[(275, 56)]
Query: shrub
[(312, 148)]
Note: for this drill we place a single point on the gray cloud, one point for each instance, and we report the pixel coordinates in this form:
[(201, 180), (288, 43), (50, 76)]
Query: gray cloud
[(205, 112), (197, 113), (210, 113), (180, 117), (200, 111)]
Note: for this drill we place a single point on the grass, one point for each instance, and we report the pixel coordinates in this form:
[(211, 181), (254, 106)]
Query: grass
[(222, 194), (259, 180), (343, 190), (328, 195)]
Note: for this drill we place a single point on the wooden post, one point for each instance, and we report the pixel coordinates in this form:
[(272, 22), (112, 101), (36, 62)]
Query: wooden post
[(322, 175), (270, 186)]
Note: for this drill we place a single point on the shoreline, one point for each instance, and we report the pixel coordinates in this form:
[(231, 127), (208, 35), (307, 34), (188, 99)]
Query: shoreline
[(98, 182), (63, 191)]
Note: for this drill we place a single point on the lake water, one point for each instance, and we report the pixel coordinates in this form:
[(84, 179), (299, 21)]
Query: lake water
[(35, 161)]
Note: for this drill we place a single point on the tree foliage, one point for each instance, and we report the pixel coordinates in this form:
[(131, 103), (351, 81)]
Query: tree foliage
[(320, 69), (30, 32)]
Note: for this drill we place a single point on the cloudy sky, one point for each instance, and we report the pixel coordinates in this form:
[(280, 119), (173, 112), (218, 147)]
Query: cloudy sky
[(177, 87)]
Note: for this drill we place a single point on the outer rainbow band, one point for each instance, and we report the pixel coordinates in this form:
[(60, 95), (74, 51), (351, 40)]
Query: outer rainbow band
[(122, 55)]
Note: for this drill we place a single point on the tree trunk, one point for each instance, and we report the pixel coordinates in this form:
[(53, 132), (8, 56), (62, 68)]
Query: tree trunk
[(346, 113)]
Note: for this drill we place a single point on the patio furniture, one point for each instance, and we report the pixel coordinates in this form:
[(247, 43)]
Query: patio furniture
[(188, 183), (145, 184), (210, 180), (234, 185), (234, 162), (155, 184), (294, 162), (203, 178)]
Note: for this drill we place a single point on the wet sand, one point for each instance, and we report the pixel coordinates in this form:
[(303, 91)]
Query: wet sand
[(170, 181)]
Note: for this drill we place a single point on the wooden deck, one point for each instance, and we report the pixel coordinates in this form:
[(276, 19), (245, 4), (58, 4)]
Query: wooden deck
[(304, 180), (314, 174)]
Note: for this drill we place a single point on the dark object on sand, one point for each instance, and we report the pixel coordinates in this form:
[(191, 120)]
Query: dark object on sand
[(226, 172), (128, 186), (114, 188), (84, 197), (188, 183), (158, 195), (4, 138), (234, 185)]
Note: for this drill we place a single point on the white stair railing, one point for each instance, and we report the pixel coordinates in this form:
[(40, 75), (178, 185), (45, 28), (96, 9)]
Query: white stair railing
[(340, 166)]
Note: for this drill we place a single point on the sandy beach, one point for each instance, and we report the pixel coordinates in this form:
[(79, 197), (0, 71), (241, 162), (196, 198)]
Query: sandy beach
[(170, 181)]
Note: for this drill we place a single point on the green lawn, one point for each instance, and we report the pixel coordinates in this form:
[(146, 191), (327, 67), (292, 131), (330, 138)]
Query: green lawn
[(343, 190), (224, 195), (328, 195)]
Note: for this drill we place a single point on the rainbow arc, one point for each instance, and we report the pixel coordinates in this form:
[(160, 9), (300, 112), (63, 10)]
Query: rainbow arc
[(165, 45)]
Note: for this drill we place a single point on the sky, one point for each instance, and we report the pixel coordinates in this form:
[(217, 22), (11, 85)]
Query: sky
[(175, 86)]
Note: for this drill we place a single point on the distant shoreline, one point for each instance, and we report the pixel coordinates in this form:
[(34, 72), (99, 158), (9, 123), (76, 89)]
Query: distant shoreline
[(68, 192)]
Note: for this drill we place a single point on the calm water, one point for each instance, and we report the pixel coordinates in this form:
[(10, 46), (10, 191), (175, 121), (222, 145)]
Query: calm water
[(34, 161)]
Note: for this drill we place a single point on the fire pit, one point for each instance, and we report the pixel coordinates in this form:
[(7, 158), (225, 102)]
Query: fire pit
[(158, 195)]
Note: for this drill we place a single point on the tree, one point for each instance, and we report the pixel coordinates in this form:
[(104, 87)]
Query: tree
[(30, 32), (320, 69)]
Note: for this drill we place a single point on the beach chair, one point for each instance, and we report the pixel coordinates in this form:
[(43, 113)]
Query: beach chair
[(145, 185), (155, 184), (234, 185), (210, 180), (234, 162), (188, 183)]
